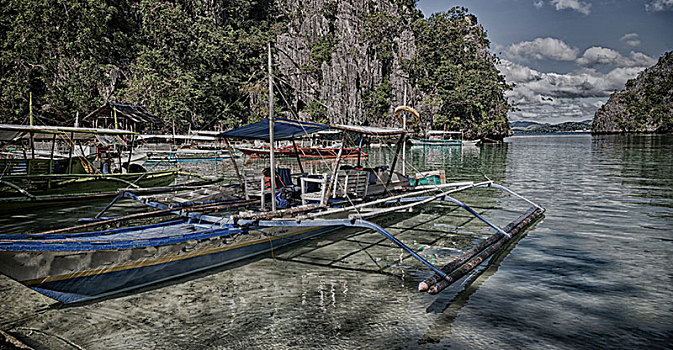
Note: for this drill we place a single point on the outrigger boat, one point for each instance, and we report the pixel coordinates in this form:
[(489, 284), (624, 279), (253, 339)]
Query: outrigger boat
[(73, 267), (440, 138), (33, 180), (314, 152)]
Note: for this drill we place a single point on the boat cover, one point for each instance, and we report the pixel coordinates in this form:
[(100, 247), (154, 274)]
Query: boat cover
[(283, 129)]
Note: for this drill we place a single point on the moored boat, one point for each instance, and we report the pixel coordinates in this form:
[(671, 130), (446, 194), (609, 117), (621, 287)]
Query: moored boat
[(72, 267), (439, 138), (303, 152), (35, 179)]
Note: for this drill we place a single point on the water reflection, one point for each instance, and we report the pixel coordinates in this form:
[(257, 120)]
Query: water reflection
[(593, 274)]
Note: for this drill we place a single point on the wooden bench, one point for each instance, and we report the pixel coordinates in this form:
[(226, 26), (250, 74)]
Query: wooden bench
[(351, 183)]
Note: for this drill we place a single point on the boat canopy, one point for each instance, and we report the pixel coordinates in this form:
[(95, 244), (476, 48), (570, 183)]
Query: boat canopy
[(9, 132), (283, 129), (369, 130)]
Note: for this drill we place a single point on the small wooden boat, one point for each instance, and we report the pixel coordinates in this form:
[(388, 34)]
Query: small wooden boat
[(303, 152), (440, 138), (187, 156), (33, 180)]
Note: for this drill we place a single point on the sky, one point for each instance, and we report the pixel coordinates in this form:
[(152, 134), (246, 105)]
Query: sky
[(566, 57)]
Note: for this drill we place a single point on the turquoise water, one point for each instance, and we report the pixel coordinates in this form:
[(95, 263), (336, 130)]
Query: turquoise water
[(593, 274)]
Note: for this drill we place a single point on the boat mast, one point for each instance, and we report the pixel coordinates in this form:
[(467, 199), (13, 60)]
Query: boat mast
[(271, 140), (404, 127)]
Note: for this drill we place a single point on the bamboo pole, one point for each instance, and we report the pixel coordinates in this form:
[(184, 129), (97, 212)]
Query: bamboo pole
[(460, 186), (404, 126), (150, 213), (51, 158), (360, 149), (72, 146), (397, 152), (296, 152), (272, 160), (32, 145), (514, 229), (30, 108), (231, 156), (133, 141)]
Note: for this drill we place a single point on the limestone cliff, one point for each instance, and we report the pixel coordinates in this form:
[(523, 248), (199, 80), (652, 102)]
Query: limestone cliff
[(646, 105), (344, 61)]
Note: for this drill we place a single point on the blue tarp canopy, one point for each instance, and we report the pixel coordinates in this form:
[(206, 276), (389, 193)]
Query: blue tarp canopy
[(283, 129)]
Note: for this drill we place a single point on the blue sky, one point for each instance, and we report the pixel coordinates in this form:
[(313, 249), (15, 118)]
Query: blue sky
[(567, 56)]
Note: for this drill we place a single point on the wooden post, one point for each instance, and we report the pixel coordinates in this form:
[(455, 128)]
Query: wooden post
[(133, 141), (296, 152), (360, 149), (114, 112), (32, 145), (272, 160), (397, 152), (72, 146), (51, 156), (231, 156), (334, 173), (30, 108)]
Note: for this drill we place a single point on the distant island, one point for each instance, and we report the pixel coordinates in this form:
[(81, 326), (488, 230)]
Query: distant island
[(528, 127)]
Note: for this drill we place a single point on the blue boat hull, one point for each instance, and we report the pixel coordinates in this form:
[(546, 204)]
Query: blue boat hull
[(86, 284)]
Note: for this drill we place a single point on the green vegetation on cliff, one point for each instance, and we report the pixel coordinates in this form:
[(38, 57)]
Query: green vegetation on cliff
[(646, 105), (201, 63), (454, 67), (187, 61)]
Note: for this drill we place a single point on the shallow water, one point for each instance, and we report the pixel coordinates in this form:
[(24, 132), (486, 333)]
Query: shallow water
[(594, 273)]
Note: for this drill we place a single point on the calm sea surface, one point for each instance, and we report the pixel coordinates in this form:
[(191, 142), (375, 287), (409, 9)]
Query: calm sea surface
[(595, 273)]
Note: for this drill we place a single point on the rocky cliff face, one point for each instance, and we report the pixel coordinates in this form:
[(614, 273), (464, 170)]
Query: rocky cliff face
[(646, 105), (344, 60), (328, 60)]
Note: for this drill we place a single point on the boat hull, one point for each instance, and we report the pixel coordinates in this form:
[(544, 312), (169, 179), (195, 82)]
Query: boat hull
[(417, 142), (81, 184), (79, 275), (303, 152)]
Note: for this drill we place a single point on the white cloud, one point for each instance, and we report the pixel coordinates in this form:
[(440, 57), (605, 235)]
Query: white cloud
[(631, 39), (576, 5), (659, 5), (542, 48), (538, 4), (601, 56), (575, 95)]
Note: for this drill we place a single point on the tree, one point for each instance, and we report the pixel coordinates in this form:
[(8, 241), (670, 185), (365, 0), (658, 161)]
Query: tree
[(454, 69)]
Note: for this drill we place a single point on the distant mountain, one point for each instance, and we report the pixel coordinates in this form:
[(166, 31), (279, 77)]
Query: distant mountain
[(522, 124), (523, 127)]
